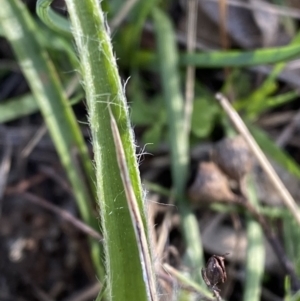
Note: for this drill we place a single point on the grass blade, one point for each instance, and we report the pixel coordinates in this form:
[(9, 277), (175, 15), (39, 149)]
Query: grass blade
[(255, 251), (230, 58), (218, 59), (168, 64)]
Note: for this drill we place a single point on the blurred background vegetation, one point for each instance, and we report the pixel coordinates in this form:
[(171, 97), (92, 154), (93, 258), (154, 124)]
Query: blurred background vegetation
[(173, 57)]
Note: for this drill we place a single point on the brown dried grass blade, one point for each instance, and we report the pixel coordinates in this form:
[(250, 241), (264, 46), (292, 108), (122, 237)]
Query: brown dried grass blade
[(262, 159)]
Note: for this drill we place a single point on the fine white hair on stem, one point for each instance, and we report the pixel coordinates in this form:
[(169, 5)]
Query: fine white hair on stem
[(125, 84), (106, 24), (83, 122), (142, 153), (109, 102)]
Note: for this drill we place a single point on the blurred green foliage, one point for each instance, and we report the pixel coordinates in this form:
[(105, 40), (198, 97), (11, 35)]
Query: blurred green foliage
[(138, 60)]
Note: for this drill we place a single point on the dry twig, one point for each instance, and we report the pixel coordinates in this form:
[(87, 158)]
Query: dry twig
[(190, 72), (65, 215), (243, 202), (262, 159)]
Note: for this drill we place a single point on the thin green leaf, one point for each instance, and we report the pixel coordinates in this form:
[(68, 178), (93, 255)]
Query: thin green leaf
[(256, 98), (257, 108), (217, 59), (272, 78), (168, 66), (273, 151), (292, 240), (203, 116), (15, 108), (255, 259)]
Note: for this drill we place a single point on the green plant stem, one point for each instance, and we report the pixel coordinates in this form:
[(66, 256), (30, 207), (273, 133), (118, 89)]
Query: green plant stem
[(168, 64), (52, 19), (230, 58), (103, 86), (292, 241), (255, 260)]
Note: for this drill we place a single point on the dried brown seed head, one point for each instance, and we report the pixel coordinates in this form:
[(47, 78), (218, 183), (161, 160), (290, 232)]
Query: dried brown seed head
[(210, 184), (233, 157), (214, 272)]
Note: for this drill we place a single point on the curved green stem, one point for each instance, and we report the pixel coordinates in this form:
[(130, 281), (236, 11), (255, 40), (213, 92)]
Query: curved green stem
[(51, 18)]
